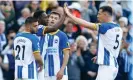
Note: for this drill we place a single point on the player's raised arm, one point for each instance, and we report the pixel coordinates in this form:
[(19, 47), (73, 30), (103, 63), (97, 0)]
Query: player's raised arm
[(79, 21)]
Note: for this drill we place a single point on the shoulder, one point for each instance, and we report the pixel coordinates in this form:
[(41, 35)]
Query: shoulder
[(61, 33), (104, 27), (27, 36), (109, 25), (33, 37)]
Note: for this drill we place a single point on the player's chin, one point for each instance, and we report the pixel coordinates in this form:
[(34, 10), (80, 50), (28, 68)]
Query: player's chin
[(50, 24)]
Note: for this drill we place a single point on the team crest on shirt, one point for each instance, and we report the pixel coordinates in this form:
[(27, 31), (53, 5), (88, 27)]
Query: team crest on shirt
[(56, 41)]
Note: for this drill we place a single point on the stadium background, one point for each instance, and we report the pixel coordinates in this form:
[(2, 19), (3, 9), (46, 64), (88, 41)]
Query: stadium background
[(80, 65)]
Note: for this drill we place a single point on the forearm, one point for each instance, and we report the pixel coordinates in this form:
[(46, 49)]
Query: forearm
[(82, 22), (38, 59), (65, 60)]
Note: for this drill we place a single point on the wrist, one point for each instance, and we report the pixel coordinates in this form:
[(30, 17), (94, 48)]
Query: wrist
[(62, 68)]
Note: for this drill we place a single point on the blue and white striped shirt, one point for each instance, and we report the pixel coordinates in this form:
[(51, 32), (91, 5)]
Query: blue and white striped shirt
[(52, 46), (109, 41)]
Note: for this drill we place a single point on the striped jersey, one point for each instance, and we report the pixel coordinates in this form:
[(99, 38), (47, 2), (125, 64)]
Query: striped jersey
[(52, 46), (25, 44), (109, 41)]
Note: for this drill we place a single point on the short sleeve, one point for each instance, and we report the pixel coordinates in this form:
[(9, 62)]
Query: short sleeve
[(35, 45), (64, 42), (40, 30), (103, 28)]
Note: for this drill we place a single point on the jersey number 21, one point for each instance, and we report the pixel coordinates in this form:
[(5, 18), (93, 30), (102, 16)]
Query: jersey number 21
[(19, 49)]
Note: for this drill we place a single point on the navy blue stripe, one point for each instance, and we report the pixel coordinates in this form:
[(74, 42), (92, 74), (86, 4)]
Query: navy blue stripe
[(116, 65), (49, 65), (52, 65), (31, 71), (20, 72), (65, 73), (50, 41), (60, 57), (106, 57)]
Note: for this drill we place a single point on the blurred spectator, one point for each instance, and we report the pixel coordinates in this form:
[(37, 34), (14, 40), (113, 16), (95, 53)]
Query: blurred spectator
[(123, 21), (18, 6), (11, 23), (86, 11), (75, 8), (2, 35), (45, 4), (2, 17), (90, 35), (130, 51), (127, 10), (9, 51), (25, 13), (33, 6), (126, 54), (69, 31), (92, 67), (61, 3), (75, 62), (89, 71)]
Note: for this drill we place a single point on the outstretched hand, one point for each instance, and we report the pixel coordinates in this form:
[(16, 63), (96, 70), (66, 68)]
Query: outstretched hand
[(66, 9)]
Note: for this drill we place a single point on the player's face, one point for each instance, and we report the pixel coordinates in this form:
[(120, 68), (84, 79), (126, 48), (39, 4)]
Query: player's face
[(53, 19), (34, 27), (43, 19), (101, 16)]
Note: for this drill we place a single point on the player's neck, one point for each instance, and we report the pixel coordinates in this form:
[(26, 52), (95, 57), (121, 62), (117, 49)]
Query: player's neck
[(27, 30), (52, 33), (109, 20)]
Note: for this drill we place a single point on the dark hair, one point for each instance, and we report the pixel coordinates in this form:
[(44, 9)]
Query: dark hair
[(30, 20), (107, 9), (11, 31), (38, 14)]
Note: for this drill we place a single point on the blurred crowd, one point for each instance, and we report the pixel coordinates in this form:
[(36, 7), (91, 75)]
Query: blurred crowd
[(83, 42)]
